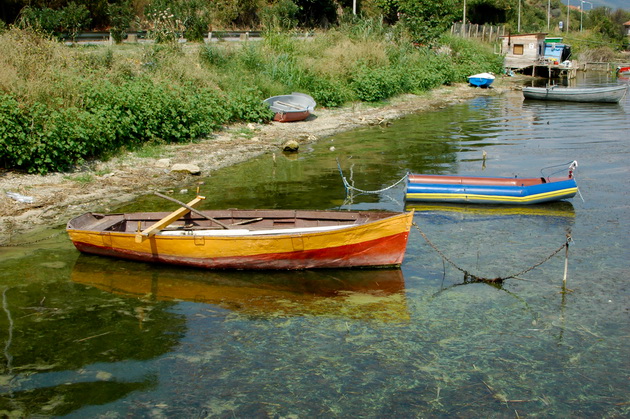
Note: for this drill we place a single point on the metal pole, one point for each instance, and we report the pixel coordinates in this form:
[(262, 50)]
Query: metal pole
[(548, 14), (568, 8), (582, 10), (519, 16)]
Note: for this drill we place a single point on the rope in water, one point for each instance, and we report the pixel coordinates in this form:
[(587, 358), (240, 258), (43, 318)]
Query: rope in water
[(468, 276), (349, 187), (31, 242)]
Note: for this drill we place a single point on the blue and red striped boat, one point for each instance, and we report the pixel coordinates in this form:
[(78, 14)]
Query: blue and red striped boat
[(490, 190)]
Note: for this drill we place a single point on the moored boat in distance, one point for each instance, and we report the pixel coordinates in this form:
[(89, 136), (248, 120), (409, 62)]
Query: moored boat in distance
[(248, 239), (607, 94), (481, 79), (490, 190), (623, 71), (293, 107)]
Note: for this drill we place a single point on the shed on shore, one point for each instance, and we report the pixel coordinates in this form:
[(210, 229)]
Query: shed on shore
[(523, 50)]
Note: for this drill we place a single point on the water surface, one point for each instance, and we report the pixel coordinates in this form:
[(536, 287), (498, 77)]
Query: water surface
[(89, 336)]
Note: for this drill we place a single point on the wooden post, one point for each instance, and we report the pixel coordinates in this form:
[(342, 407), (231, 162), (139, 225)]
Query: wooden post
[(566, 264)]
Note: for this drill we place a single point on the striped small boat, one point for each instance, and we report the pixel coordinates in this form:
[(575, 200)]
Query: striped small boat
[(489, 190)]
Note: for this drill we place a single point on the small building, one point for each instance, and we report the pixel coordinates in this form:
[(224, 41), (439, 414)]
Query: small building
[(523, 50), (555, 51)]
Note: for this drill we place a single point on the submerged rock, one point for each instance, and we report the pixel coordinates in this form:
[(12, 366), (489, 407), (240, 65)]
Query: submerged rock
[(290, 146)]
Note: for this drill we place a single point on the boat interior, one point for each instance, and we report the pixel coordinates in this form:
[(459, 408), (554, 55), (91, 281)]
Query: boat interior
[(485, 181), (229, 222)]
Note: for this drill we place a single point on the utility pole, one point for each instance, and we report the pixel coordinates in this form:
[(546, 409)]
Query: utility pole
[(548, 14), (519, 17), (568, 8), (582, 11)]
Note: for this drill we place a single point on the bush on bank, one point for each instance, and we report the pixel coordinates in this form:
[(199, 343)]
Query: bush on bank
[(60, 105)]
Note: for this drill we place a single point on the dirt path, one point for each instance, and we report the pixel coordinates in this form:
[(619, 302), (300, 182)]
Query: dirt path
[(105, 185)]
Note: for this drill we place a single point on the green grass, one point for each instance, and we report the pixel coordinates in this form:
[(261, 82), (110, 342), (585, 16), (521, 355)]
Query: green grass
[(61, 106)]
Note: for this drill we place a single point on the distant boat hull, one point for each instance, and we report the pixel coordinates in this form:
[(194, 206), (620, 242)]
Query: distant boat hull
[(611, 94), (264, 239), (488, 190), (290, 108), (624, 71), (481, 80)]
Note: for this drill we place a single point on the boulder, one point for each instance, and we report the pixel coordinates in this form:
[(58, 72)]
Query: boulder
[(193, 169)]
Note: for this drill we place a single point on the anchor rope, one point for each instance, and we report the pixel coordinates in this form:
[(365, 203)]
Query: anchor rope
[(572, 165), (349, 187), (31, 242), (468, 275)]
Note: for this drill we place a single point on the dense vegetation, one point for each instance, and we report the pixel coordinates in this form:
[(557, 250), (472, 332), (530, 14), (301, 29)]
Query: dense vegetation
[(61, 105), (425, 20)]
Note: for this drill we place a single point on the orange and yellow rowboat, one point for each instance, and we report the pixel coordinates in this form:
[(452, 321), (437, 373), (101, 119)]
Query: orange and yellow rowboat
[(247, 239)]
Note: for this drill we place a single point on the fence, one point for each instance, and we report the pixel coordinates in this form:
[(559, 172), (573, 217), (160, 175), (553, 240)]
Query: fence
[(488, 33)]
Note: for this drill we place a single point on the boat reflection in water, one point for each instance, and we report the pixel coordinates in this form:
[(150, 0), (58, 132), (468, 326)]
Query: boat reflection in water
[(362, 294), (561, 209)]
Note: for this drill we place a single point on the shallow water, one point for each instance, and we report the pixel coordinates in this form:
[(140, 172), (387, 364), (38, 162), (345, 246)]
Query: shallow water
[(88, 336)]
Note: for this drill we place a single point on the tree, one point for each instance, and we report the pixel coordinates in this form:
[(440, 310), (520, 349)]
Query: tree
[(427, 20), (120, 17), (74, 17)]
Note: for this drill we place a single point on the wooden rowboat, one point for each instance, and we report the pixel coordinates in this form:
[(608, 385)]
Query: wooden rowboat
[(490, 190), (608, 94), (293, 107), (247, 239)]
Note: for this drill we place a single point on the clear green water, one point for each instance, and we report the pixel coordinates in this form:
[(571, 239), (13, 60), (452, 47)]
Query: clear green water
[(85, 336)]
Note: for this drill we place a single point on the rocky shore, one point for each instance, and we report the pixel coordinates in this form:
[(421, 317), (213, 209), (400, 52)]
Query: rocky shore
[(102, 186)]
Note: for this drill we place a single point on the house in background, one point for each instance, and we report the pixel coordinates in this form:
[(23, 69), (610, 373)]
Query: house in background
[(537, 55), (523, 50)]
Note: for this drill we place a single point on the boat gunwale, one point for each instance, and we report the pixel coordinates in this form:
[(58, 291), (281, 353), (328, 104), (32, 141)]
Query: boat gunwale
[(334, 228)]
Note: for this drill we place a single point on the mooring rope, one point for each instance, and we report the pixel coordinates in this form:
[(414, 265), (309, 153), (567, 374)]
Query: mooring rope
[(31, 242), (349, 187), (468, 276)]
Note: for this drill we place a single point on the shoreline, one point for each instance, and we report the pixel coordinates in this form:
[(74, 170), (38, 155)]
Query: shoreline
[(102, 185)]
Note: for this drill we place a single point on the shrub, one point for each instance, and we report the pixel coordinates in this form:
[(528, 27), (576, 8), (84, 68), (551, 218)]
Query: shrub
[(246, 105), (214, 55), (281, 15), (374, 84)]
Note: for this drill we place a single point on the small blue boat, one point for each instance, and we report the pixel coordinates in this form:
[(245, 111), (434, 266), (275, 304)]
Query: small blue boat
[(490, 190), (481, 79)]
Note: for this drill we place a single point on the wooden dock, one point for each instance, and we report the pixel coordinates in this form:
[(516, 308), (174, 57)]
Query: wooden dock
[(538, 68)]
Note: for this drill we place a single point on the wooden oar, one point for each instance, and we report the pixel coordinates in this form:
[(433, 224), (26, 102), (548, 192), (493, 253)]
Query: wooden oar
[(174, 216), (189, 207)]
